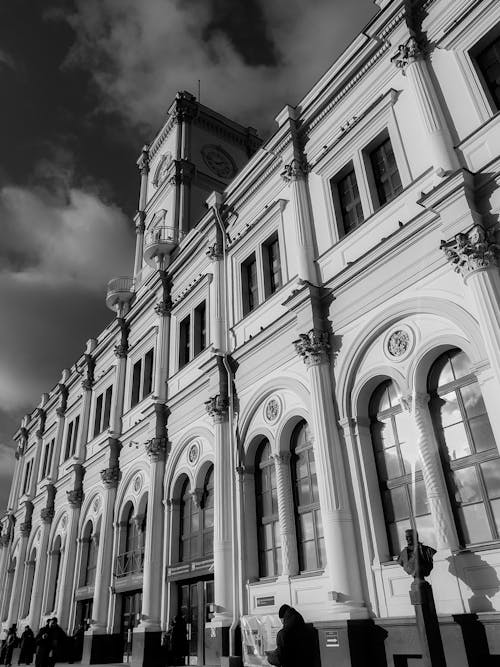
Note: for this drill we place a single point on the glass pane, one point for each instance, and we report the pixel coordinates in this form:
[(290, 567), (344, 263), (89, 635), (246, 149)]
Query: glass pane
[(450, 412), (277, 534), (410, 457), (314, 489), (403, 427), (268, 535), (473, 400), (322, 552), (396, 501), (306, 526), (319, 523), (482, 434), (466, 485), (397, 536), (386, 433), (388, 463), (279, 567), (421, 502), (301, 467), (456, 441), (425, 529), (491, 474), (309, 553), (303, 492), (460, 363), (474, 523), (209, 517), (495, 508), (274, 501), (269, 556)]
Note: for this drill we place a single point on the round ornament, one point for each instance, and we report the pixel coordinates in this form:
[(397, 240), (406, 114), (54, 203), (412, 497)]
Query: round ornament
[(272, 410), (218, 161), (194, 453)]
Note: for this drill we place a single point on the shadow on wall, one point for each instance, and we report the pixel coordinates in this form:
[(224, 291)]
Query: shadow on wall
[(479, 576)]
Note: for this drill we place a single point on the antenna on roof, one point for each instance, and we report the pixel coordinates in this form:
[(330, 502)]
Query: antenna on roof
[(199, 90)]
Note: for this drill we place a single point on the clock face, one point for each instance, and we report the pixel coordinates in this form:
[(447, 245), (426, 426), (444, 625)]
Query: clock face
[(218, 161)]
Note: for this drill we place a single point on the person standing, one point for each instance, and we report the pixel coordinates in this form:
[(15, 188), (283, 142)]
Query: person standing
[(27, 647), (10, 644), (57, 641), (42, 646), (292, 641), (179, 640)]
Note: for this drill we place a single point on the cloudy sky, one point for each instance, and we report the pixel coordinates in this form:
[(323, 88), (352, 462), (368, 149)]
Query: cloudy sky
[(84, 84)]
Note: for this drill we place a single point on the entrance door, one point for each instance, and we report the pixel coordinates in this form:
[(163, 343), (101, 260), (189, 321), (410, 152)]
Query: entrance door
[(131, 614), (83, 613), (196, 605)]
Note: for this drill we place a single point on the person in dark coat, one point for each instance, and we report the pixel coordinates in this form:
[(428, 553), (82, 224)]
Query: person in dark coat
[(179, 640), (292, 641), (10, 644), (3, 647), (43, 646), (58, 640), (27, 647), (75, 647)]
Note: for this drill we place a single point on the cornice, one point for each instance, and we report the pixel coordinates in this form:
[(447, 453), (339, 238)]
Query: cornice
[(161, 136)]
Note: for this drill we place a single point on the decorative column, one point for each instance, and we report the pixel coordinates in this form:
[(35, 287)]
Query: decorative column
[(432, 471), (60, 411), (87, 384), (46, 515), (163, 309), (121, 351), (184, 110), (215, 253), (410, 58), (20, 449), (475, 254), (5, 555), (217, 408), (289, 560), (340, 544), (140, 221), (15, 600)]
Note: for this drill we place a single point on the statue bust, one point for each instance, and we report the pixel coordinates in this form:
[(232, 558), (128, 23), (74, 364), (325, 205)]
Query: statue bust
[(416, 558)]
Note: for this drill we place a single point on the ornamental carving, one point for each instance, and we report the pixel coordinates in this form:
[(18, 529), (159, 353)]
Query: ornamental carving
[(164, 307), (474, 250), (121, 349), (143, 161), (63, 391), (186, 107), (25, 528), (183, 172), (162, 169), (313, 347), (398, 343), (88, 381), (407, 54), (47, 514), (96, 505), (217, 407), (137, 484), (295, 170), (215, 252), (75, 497), (42, 418), (197, 496), (194, 453), (272, 410), (156, 449), (4, 540), (110, 477)]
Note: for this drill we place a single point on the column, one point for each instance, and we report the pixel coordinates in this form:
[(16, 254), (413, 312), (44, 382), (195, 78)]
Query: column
[(432, 471), (295, 174), (60, 411), (121, 351), (87, 384), (163, 309), (475, 254), (15, 600), (217, 408), (140, 226), (68, 566), (185, 109), (215, 254), (46, 515), (289, 557), (410, 58), (104, 566), (340, 544)]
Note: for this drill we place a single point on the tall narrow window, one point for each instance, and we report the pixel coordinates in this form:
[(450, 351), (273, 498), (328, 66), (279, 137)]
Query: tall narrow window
[(89, 555), (136, 383), (189, 524), (488, 62), (147, 382), (47, 458), (249, 284), (200, 328), (197, 520), (27, 476), (8, 589), (268, 529), (348, 201), (72, 437), (385, 172), (102, 411), (55, 569), (29, 577), (394, 453), (208, 514), (468, 449), (107, 408), (184, 341), (310, 539), (272, 265)]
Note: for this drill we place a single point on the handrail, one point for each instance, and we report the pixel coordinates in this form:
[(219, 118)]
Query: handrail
[(129, 562)]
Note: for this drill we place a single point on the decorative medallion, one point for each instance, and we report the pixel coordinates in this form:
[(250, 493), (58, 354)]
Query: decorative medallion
[(218, 161), (272, 410), (96, 504), (64, 522), (399, 343), (194, 453), (137, 483), (162, 170)]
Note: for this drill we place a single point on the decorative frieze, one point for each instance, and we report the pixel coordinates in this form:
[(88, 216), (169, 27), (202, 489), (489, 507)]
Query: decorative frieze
[(474, 250), (110, 477), (156, 449), (313, 347), (217, 407)]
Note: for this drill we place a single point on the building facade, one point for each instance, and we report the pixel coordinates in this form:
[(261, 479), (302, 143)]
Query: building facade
[(304, 362)]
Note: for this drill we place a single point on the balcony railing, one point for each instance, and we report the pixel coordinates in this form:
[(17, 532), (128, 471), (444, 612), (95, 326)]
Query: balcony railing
[(120, 291), (130, 562), (159, 243)]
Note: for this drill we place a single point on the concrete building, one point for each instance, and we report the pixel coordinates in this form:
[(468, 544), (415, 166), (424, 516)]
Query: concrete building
[(299, 370)]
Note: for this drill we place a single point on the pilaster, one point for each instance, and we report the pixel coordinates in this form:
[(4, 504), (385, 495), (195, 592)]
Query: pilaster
[(46, 516), (140, 226), (15, 600), (87, 386), (121, 351), (289, 560)]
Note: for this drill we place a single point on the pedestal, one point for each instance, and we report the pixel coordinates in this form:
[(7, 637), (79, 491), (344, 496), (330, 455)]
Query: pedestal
[(427, 623)]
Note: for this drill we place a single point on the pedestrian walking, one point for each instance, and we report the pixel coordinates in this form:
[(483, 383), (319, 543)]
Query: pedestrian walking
[(28, 646)]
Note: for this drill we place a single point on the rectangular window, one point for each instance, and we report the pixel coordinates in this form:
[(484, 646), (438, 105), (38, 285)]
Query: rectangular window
[(200, 328), (101, 417), (249, 284), (272, 265), (184, 341), (142, 378), (385, 172), (27, 476), (71, 437), (47, 458), (347, 200), (488, 63)]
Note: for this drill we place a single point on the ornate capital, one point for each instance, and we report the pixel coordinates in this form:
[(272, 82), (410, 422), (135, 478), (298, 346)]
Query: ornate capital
[(143, 161), (217, 407), (25, 528), (4, 540), (47, 514), (88, 381), (313, 347), (407, 53), (110, 476), (186, 107), (474, 250), (140, 225), (183, 172), (214, 252), (296, 170), (24, 437), (63, 391), (42, 418), (156, 449), (282, 458), (163, 307), (75, 497), (121, 349)]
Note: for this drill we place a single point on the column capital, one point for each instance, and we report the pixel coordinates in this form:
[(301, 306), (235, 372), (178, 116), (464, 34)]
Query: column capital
[(185, 107), (408, 53), (41, 415), (143, 160), (217, 408), (172, 503), (25, 528), (4, 540), (75, 497), (184, 171), (281, 458), (215, 252), (164, 307), (47, 514), (197, 496), (156, 449), (140, 223), (297, 169), (121, 350), (313, 347), (88, 380), (474, 250), (110, 477)]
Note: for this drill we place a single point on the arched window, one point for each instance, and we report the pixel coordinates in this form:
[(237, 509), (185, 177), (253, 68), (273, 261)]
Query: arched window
[(310, 540), (8, 589), (131, 532), (55, 570), (405, 504), (28, 585), (468, 449), (89, 555), (196, 535), (268, 528)]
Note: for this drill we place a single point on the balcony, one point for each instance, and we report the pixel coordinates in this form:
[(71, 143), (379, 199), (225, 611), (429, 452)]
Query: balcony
[(130, 562), (120, 293), (158, 245)]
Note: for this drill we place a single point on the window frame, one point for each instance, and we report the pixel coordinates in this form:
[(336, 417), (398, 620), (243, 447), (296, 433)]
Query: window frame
[(48, 457), (189, 317), (71, 434), (262, 519), (196, 537), (101, 401), (337, 202), (140, 363)]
